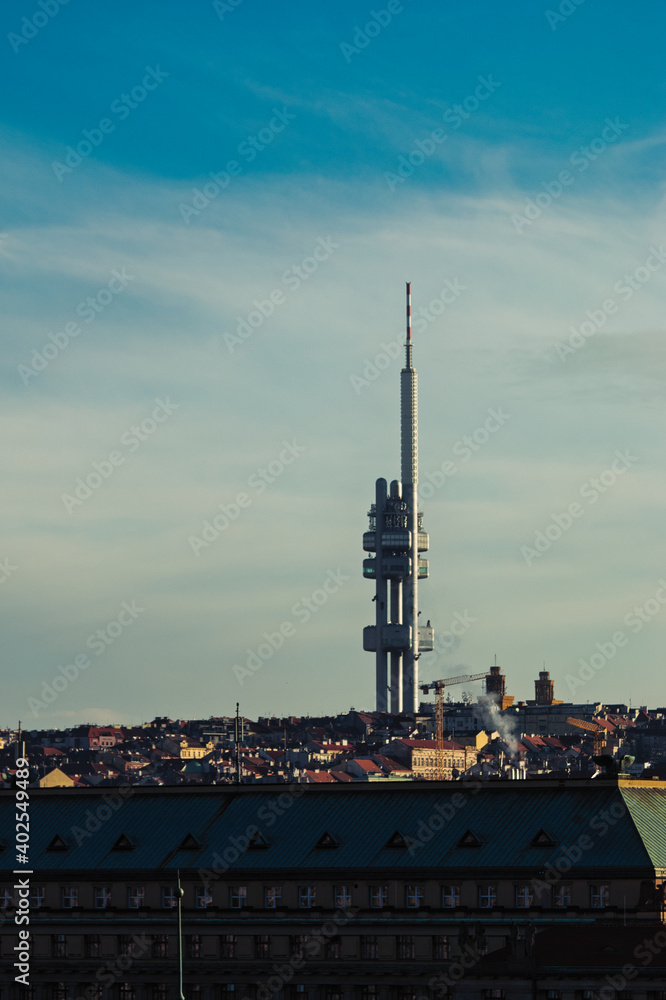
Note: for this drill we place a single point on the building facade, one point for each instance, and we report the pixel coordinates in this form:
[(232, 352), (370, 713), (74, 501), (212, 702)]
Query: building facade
[(342, 892)]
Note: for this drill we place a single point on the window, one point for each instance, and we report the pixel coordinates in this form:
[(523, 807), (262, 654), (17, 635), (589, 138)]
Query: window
[(125, 944), (193, 944), (136, 896), (262, 946), (102, 897), (599, 896), (487, 896), (332, 948), (70, 897), (272, 896), (378, 896), (59, 945), (369, 993), (159, 992), (169, 900), (343, 897), (561, 895), (307, 895), (160, 947), (127, 991), (37, 896), (524, 896), (297, 944), (406, 947), (228, 946), (494, 995), (413, 896), (59, 991), (450, 896), (203, 897), (441, 947), (237, 896), (6, 898), (369, 946), (91, 946)]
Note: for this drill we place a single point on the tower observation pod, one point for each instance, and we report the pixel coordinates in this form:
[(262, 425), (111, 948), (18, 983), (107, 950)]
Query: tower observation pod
[(396, 539)]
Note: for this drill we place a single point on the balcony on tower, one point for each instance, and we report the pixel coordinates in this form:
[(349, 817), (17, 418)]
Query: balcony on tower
[(393, 540), (394, 637), (423, 569), (426, 638), (393, 567), (424, 541)]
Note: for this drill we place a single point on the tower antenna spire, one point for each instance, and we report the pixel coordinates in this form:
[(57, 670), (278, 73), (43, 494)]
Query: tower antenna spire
[(408, 318)]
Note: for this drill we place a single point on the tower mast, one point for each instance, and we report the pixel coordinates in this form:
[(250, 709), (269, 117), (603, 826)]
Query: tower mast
[(410, 476)]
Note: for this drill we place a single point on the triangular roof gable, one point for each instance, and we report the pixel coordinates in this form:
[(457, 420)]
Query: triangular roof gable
[(58, 844), (327, 840), (123, 843), (543, 839), (189, 843), (257, 840)]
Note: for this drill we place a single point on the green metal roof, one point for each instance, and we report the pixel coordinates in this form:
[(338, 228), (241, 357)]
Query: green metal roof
[(647, 807)]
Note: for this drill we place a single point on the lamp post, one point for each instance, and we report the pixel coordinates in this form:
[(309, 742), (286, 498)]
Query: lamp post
[(179, 896)]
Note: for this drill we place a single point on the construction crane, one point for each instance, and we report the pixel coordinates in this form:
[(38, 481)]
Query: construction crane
[(439, 686), (597, 732)]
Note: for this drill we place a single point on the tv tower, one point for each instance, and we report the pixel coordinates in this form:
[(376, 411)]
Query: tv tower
[(396, 537)]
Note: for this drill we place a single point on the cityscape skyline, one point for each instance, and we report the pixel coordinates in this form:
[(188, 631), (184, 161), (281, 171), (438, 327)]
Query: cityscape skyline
[(205, 234)]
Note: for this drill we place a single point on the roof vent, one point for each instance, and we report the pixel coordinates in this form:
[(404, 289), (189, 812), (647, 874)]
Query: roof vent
[(123, 843), (190, 843), (257, 840), (469, 839), (543, 839), (326, 840), (397, 840), (57, 844)]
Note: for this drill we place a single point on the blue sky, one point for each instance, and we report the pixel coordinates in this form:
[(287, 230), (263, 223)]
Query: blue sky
[(507, 161)]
